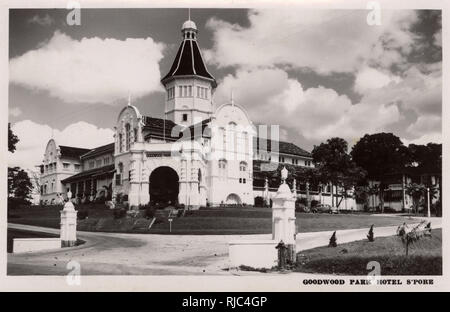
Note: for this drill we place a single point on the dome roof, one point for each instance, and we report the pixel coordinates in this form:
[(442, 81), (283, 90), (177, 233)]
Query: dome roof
[(189, 25)]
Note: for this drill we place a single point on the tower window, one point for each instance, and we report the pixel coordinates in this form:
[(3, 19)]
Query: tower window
[(185, 117), (127, 136)]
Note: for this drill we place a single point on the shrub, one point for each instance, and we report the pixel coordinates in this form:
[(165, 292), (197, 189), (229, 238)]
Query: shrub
[(259, 201), (119, 213), (314, 203), (370, 235), (83, 214), (333, 240), (150, 212), (14, 202)]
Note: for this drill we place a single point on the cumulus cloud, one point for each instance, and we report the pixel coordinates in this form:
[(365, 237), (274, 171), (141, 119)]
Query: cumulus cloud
[(369, 78), (271, 97), (322, 40), (91, 69), (15, 112), (34, 137)]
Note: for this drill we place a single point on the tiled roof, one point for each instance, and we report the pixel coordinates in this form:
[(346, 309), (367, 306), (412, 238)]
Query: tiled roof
[(104, 149), (109, 170), (284, 147), (189, 62), (70, 151), (155, 128)]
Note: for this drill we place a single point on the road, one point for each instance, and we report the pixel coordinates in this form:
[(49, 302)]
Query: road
[(151, 254)]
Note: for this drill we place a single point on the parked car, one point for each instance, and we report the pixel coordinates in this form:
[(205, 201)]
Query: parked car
[(321, 208), (334, 210)]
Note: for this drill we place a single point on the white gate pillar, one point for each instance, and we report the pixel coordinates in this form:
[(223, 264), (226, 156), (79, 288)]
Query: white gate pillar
[(68, 233), (283, 216)]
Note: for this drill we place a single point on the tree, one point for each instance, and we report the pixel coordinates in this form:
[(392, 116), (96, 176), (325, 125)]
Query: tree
[(380, 154), (19, 184), (12, 139), (335, 165)]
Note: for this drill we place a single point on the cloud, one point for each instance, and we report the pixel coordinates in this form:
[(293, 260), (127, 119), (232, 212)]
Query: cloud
[(15, 112), (325, 41), (435, 137), (34, 137), (271, 97), (90, 70), (370, 78), (45, 20)]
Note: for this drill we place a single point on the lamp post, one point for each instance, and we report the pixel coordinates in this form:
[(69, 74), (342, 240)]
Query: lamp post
[(428, 202)]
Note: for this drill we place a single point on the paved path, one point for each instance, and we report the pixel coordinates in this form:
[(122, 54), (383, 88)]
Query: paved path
[(151, 254)]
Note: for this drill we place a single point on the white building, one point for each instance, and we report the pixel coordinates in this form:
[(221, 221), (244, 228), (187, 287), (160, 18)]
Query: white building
[(200, 153)]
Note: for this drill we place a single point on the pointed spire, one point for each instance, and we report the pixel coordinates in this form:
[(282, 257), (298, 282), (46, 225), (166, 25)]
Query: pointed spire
[(189, 14)]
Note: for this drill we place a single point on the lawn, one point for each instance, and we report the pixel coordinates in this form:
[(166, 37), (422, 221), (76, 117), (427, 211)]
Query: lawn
[(203, 221), (425, 257)]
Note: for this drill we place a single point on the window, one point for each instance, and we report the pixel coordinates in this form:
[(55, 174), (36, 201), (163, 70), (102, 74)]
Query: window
[(222, 164), (184, 117), (135, 134), (244, 181), (118, 179), (66, 166), (180, 89), (77, 167), (282, 159), (91, 164), (120, 143), (127, 136), (105, 160), (243, 166), (190, 90), (99, 163)]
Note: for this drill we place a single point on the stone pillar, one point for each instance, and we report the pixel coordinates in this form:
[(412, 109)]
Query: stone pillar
[(283, 216), (68, 232)]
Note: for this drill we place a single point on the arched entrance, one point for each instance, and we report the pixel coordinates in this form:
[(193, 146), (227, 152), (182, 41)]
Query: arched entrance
[(164, 186), (233, 199)]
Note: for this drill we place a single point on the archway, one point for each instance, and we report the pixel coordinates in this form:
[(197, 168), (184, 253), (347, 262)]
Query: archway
[(233, 199), (164, 186)]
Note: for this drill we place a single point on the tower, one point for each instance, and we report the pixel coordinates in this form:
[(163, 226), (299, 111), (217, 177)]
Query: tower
[(189, 86)]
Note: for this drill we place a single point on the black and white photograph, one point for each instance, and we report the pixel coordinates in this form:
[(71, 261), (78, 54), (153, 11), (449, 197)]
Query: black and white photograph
[(275, 142)]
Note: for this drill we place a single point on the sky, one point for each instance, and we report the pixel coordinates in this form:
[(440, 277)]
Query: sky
[(316, 73)]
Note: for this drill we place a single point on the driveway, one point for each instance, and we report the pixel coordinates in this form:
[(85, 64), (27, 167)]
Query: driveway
[(151, 254)]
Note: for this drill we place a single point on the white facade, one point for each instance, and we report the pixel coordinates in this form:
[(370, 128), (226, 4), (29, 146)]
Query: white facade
[(55, 168)]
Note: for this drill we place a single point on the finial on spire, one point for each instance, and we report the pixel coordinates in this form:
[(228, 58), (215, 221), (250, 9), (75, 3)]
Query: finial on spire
[(189, 14), (129, 98)]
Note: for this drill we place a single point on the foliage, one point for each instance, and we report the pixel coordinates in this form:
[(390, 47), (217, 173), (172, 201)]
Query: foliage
[(19, 183), (12, 139), (418, 193), (14, 202), (259, 201), (82, 214), (419, 231), (370, 235), (380, 154), (336, 166), (119, 213), (333, 240), (314, 203)]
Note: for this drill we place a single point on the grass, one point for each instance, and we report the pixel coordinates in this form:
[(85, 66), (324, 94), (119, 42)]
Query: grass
[(425, 257), (247, 220)]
